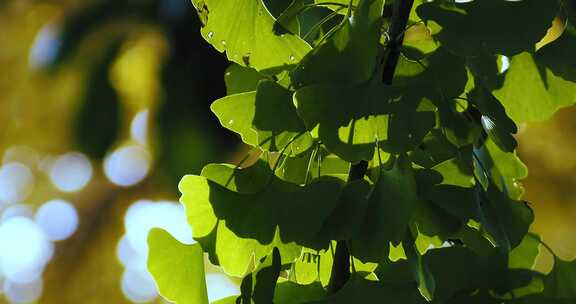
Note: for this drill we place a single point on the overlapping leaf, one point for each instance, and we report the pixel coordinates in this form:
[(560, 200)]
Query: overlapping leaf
[(349, 55), (351, 129), (241, 79), (244, 29), (499, 127), (226, 247), (531, 91), (178, 269), (506, 220), (259, 286), (513, 26), (391, 206), (359, 290), (264, 118), (255, 210)]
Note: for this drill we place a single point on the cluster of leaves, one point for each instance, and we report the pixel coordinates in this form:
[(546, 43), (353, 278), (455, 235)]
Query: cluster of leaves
[(434, 215)]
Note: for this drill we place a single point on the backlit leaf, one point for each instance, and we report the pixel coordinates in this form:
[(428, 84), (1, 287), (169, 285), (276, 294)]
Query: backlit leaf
[(244, 29), (178, 269)]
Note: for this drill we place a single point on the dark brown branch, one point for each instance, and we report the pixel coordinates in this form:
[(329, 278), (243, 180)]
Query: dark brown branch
[(400, 14), (341, 265), (399, 19)]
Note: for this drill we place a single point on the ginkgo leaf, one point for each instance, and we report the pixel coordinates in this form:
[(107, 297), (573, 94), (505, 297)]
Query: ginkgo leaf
[(335, 4), (459, 272), (439, 76), (420, 271), (244, 29), (506, 220), (347, 218), (349, 55), (524, 256), (433, 150), (275, 118), (259, 286), (392, 205), (255, 213), (178, 269), (499, 127), (236, 113), (291, 293), (226, 248), (558, 56), (360, 290), (241, 79), (513, 26), (454, 173), (266, 277), (264, 118), (505, 168), (561, 282), (531, 91), (352, 129)]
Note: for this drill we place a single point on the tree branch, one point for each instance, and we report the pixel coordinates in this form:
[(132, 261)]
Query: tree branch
[(341, 265), (399, 19), (400, 14)]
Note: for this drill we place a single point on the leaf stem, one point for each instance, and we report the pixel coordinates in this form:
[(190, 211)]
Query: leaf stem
[(544, 244)]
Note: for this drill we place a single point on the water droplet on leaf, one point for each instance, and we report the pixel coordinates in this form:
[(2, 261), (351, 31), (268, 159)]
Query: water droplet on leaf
[(210, 35)]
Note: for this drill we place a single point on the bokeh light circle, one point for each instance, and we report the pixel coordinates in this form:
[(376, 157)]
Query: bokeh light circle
[(71, 172), (127, 165), (139, 286), (58, 219), (16, 181), (24, 249)]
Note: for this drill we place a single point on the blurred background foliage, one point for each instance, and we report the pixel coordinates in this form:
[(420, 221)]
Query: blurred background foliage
[(104, 106)]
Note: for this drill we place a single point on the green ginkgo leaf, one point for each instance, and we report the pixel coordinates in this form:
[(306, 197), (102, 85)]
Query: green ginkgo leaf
[(513, 26), (264, 118), (349, 55), (244, 29), (241, 79), (291, 293), (360, 290), (420, 271), (506, 220), (558, 56), (255, 210), (351, 129), (336, 4), (499, 127), (392, 205), (505, 168), (560, 284), (524, 256), (178, 269), (531, 91), (233, 253), (459, 272)]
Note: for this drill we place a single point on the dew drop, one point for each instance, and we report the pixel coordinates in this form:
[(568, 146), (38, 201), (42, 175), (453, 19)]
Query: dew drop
[(292, 58), (231, 121), (210, 35), (223, 42)]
